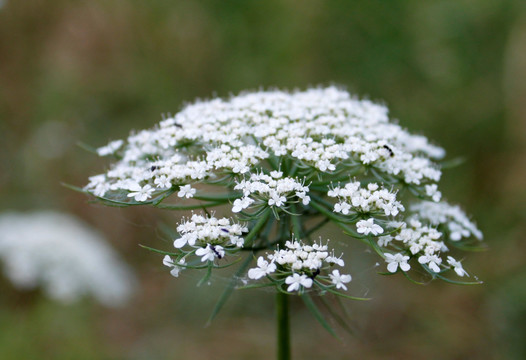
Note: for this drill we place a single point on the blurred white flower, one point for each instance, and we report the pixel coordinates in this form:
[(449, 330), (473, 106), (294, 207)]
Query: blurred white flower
[(340, 279), (457, 265), (396, 260), (296, 281), (368, 226), (64, 257)]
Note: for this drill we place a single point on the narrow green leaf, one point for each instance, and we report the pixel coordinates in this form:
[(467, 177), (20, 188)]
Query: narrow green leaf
[(74, 188), (187, 207), (347, 296), (256, 229), (255, 286), (335, 315), (317, 314), (207, 275), (458, 282), (228, 290), (411, 279), (158, 251), (87, 147), (449, 164), (217, 197)]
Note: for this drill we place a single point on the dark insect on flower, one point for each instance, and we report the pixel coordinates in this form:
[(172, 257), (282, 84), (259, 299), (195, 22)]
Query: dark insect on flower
[(391, 153), (178, 125), (153, 168), (219, 256), (225, 230), (315, 273)]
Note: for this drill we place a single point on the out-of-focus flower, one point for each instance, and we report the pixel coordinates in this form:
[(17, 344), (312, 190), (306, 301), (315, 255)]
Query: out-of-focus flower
[(64, 257)]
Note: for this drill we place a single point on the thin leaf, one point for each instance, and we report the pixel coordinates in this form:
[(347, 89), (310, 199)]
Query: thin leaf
[(75, 188), (411, 279), (217, 197), (87, 147), (458, 282), (449, 164), (317, 314), (257, 227), (228, 290), (207, 275), (187, 207), (158, 251), (255, 286), (335, 315), (347, 296)]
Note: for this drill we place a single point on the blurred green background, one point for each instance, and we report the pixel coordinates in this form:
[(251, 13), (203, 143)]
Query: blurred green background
[(90, 71)]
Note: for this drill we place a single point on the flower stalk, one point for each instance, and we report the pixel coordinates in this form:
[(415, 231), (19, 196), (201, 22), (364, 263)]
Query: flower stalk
[(283, 326)]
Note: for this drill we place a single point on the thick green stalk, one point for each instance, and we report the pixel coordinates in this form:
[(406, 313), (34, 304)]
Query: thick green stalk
[(283, 326)]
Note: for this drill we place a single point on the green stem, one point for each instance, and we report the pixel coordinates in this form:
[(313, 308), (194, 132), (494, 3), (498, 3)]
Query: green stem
[(282, 318), (327, 213)]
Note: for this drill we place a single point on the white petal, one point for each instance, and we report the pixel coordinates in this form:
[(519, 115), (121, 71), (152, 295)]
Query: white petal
[(392, 267)]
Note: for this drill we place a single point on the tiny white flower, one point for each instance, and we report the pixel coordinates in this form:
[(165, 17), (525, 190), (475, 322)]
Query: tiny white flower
[(334, 260), (433, 193), (186, 191), (110, 148), (432, 262), (277, 200), (168, 261), (140, 193), (276, 174), (210, 252), (457, 266), (295, 281), (262, 270), (385, 240), (396, 260), (163, 182), (368, 226), (240, 204), (340, 279), (342, 208)]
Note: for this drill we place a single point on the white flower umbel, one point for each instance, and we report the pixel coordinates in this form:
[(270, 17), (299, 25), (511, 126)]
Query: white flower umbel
[(64, 257), (355, 198), (272, 190), (301, 265), (286, 164), (208, 237), (325, 130), (454, 220)]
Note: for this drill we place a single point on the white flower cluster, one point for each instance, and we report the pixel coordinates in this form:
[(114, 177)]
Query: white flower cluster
[(209, 237), (442, 213), (67, 259), (110, 148), (322, 128), (274, 149), (301, 263), (420, 240), (272, 190), (355, 198)]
